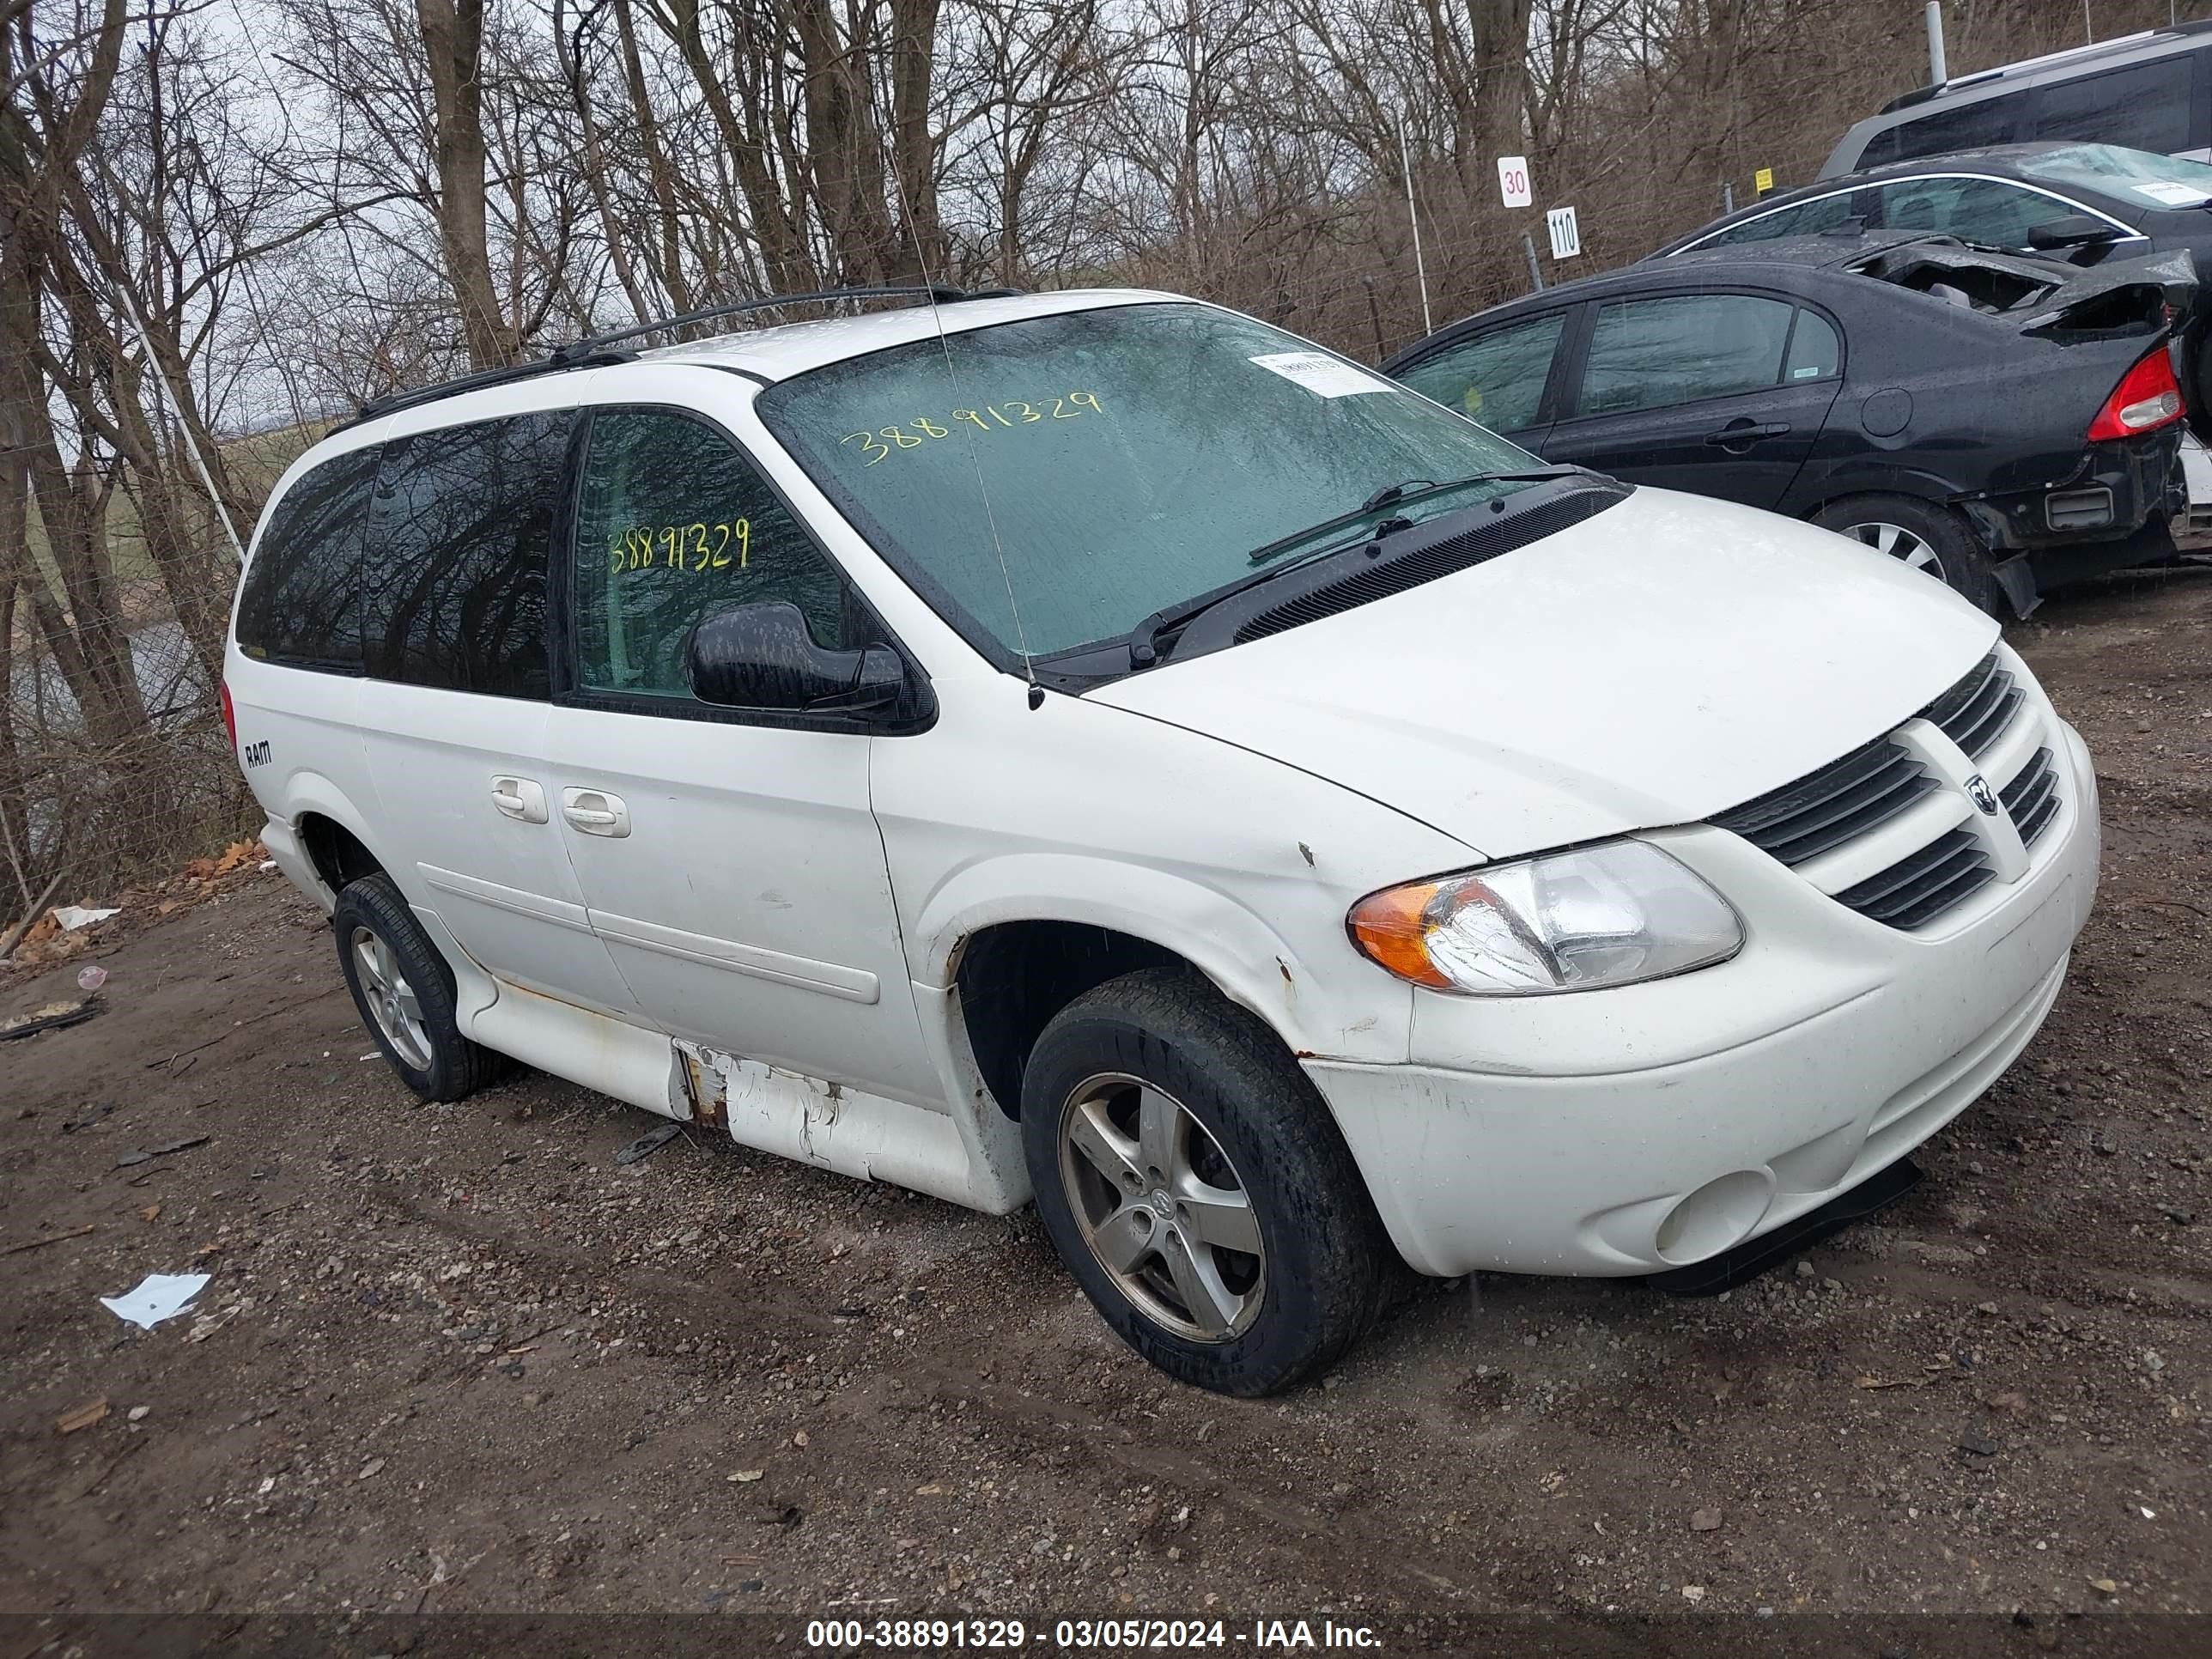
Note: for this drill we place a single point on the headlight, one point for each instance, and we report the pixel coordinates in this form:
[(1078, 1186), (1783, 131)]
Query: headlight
[(1608, 914)]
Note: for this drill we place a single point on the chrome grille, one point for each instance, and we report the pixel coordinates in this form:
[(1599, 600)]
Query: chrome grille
[(1833, 823)]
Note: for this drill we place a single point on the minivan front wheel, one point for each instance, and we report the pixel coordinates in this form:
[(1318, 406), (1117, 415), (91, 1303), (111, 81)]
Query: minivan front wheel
[(1924, 536), (1192, 1181), (405, 992)]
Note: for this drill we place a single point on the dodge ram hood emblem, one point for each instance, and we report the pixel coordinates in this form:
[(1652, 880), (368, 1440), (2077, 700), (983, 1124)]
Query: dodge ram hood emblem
[(1980, 793)]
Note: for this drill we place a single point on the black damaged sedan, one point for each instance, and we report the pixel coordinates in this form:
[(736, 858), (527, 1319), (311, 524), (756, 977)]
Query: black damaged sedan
[(2007, 424)]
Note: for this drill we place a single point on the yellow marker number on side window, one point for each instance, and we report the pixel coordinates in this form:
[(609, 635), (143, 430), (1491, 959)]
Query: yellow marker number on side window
[(694, 547)]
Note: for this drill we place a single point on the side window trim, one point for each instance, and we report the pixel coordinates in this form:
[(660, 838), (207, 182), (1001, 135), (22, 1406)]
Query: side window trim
[(2128, 232), (1801, 203), (569, 693), (1876, 190)]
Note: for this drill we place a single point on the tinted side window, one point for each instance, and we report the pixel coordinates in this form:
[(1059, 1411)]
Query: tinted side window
[(675, 524), (1647, 353), (1991, 121), (302, 603), (2145, 107), (459, 548), (1498, 378), (1806, 219), (1973, 209)]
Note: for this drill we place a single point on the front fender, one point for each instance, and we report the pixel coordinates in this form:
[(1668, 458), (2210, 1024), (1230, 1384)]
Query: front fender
[(1250, 962)]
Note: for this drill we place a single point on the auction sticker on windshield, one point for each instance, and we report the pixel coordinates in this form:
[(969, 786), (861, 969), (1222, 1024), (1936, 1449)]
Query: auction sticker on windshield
[(2173, 195), (1320, 374)]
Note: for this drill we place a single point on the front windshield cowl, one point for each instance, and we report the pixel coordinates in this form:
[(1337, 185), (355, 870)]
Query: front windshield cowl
[(1047, 484)]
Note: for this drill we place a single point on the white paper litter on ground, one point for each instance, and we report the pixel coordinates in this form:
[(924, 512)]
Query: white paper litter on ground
[(158, 1297), (74, 916), (1320, 374)]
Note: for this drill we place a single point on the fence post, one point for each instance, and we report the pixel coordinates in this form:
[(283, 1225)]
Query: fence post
[(1535, 270)]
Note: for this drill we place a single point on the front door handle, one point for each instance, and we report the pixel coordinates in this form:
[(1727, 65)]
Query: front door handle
[(520, 798), (1747, 432), (595, 812)]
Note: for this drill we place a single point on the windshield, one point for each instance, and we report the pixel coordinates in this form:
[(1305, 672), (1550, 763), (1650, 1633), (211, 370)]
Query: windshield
[(1128, 458), (2130, 175)]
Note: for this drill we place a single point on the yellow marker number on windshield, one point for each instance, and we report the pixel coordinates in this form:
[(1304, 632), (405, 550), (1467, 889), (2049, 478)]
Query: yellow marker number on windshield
[(694, 547), (991, 417)]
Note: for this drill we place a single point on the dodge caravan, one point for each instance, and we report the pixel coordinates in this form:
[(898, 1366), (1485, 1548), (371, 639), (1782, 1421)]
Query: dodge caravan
[(1097, 748)]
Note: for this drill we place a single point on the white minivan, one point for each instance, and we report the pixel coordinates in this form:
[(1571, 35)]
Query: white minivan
[(1097, 748)]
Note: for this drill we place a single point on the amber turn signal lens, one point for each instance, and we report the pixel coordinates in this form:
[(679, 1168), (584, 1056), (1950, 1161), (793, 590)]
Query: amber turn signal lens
[(1391, 928)]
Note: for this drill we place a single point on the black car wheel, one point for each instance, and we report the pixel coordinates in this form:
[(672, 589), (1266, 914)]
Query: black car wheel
[(405, 991), (1926, 537), (1194, 1183)]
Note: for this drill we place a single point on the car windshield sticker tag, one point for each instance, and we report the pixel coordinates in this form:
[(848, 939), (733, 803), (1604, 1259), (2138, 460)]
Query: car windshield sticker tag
[(1321, 374), (2173, 195)]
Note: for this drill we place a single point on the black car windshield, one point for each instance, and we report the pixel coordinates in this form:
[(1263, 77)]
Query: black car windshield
[(1119, 460), (2132, 175)]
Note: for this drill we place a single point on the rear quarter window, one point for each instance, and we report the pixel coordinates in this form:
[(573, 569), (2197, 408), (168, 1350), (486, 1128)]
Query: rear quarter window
[(301, 603)]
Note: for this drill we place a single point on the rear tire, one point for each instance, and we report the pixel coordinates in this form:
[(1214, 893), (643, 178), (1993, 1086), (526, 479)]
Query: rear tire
[(1194, 1183), (1930, 538), (405, 992)]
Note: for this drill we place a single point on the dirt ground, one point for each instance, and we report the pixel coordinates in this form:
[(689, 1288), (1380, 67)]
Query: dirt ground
[(455, 1358)]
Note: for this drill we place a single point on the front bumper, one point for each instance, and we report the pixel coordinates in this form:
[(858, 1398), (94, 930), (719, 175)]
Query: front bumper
[(1625, 1131)]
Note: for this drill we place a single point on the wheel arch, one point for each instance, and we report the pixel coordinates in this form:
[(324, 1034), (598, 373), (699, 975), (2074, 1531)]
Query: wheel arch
[(333, 835), (1016, 942)]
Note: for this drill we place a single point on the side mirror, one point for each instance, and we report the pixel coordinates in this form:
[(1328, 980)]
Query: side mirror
[(2074, 230), (762, 656)]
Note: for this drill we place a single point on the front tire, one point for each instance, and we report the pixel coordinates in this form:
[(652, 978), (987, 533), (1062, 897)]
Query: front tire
[(405, 992), (1194, 1183), (1927, 537)]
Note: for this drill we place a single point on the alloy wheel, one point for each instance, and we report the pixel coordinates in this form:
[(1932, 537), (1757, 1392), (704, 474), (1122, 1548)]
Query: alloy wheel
[(392, 1000), (1162, 1208)]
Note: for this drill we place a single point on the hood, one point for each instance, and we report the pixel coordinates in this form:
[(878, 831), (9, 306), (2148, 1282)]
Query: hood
[(1661, 662)]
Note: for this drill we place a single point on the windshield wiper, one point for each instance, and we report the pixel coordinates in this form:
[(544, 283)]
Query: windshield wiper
[(1397, 494), (1145, 638)]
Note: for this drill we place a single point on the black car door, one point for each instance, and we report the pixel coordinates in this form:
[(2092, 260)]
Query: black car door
[(1722, 394)]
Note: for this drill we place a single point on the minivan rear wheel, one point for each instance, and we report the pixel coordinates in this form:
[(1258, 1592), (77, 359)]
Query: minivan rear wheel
[(405, 992), (1192, 1181), (1925, 537)]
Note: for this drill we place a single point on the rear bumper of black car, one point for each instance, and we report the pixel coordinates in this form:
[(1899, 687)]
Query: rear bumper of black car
[(2113, 511)]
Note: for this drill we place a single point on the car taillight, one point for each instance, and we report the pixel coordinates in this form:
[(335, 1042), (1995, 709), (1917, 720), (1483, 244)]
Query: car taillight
[(229, 716), (2146, 397)]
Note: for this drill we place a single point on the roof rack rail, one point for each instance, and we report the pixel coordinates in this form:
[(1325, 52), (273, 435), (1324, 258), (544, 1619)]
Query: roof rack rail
[(937, 294), (597, 350), (1982, 77), (393, 402)]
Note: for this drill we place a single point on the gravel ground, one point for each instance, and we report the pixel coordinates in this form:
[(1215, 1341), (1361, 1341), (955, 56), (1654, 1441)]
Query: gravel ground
[(455, 1358)]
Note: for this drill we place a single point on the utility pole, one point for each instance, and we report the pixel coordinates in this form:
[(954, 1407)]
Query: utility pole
[(1413, 217), (1938, 72)]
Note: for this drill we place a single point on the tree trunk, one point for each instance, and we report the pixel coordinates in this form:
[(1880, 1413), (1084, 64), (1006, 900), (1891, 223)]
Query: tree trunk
[(453, 40)]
